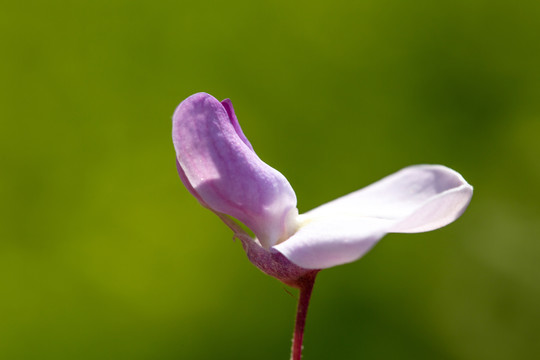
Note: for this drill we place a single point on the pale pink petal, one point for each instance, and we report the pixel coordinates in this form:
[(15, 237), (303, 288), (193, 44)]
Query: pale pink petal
[(415, 199), (324, 243), (219, 167)]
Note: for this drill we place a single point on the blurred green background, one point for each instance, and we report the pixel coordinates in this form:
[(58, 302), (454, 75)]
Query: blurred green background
[(104, 254)]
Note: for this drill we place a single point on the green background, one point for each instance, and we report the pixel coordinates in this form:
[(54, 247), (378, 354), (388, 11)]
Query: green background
[(104, 254)]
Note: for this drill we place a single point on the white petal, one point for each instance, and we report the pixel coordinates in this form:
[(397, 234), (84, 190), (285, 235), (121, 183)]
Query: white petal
[(415, 199), (324, 243)]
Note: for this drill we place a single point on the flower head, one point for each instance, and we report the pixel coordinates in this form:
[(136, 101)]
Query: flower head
[(219, 167)]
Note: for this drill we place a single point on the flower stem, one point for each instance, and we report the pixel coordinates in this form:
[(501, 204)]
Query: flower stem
[(305, 284)]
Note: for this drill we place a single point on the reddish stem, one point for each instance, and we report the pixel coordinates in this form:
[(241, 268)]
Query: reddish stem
[(305, 284)]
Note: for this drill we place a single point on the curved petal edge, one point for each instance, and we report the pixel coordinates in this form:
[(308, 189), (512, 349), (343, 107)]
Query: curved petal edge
[(217, 164), (415, 199)]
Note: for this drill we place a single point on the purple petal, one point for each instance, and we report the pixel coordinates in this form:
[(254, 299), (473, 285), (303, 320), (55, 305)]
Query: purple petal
[(415, 199), (227, 104), (219, 167)]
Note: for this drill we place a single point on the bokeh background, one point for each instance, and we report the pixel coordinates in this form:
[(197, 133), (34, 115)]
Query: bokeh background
[(104, 254)]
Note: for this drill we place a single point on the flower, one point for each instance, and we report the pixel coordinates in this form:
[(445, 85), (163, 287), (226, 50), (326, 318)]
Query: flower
[(219, 167)]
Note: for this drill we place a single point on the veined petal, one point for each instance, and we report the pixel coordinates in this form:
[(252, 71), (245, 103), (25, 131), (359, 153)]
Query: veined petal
[(219, 167), (415, 199)]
